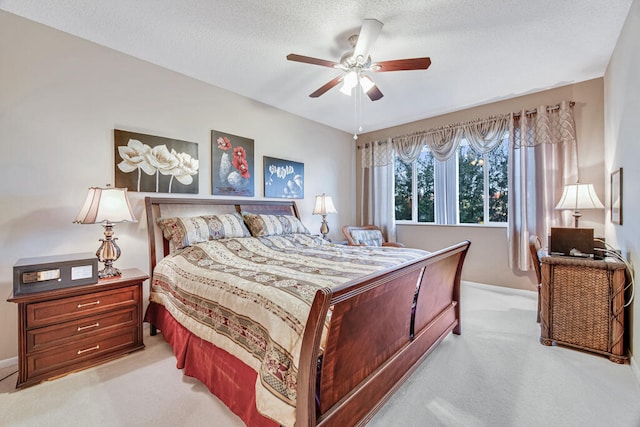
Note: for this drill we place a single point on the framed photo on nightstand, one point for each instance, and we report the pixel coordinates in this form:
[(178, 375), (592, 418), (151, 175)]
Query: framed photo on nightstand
[(616, 196)]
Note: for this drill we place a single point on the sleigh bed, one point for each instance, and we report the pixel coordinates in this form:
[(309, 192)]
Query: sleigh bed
[(284, 327)]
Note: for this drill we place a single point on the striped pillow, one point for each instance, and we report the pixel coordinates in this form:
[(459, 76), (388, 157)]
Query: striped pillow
[(262, 225), (187, 231)]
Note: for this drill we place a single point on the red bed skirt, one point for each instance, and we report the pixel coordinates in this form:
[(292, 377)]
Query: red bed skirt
[(225, 376)]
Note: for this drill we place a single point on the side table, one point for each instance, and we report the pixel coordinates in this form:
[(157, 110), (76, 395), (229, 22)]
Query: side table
[(582, 305)]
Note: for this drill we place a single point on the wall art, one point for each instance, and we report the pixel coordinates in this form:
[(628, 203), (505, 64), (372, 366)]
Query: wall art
[(155, 164), (231, 165), (616, 197), (283, 178)]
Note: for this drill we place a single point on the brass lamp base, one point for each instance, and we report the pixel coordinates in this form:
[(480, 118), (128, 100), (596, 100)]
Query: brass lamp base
[(108, 271), (108, 253), (324, 228), (576, 217)]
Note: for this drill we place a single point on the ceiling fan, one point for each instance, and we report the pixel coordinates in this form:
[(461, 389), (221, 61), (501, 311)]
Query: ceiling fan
[(356, 62)]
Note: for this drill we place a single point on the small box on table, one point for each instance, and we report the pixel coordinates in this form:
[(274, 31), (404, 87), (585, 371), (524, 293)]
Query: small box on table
[(54, 272)]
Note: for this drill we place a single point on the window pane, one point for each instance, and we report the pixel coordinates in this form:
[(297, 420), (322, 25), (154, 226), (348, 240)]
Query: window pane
[(425, 187), (403, 176), (470, 186), (498, 190)]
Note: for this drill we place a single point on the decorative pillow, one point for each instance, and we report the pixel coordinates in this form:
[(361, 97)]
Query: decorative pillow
[(226, 226), (367, 237), (187, 231), (262, 225)]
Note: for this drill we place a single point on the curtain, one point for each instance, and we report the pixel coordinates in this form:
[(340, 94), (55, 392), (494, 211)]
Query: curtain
[(542, 160), (408, 147), (377, 204), (444, 142), (485, 135)]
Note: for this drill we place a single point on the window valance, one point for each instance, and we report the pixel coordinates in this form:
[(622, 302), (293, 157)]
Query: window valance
[(482, 134)]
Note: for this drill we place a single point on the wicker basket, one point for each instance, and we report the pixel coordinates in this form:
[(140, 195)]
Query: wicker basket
[(583, 305)]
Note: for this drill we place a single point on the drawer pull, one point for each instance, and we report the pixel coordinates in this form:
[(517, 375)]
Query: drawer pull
[(95, 347), (89, 303), (82, 328)]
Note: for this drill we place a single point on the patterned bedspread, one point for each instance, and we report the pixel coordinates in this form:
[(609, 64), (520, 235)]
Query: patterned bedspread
[(251, 297)]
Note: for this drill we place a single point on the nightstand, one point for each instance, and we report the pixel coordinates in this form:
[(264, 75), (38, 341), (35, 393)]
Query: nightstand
[(69, 329), (582, 305)]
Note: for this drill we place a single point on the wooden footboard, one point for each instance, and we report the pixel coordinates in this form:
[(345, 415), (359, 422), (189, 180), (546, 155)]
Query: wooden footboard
[(381, 327)]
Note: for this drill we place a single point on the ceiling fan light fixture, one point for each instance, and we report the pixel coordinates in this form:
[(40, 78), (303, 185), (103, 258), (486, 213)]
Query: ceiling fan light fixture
[(357, 61), (366, 83), (349, 82)]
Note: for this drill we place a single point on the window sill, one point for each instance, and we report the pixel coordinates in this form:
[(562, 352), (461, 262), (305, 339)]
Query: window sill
[(432, 224)]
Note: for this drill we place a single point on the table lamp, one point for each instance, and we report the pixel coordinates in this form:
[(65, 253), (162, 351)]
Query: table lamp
[(579, 196), (107, 206), (324, 206)]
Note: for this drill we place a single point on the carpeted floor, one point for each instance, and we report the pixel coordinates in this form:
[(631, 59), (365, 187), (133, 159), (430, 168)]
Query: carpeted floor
[(495, 374)]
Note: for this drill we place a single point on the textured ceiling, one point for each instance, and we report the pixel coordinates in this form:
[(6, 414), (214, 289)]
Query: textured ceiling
[(481, 50)]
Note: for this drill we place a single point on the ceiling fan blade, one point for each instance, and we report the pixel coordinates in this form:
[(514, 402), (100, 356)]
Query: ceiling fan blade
[(369, 32), (402, 64), (310, 60), (374, 93), (326, 87)]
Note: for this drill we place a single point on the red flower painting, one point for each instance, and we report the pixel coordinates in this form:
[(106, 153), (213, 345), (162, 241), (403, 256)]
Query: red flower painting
[(233, 176)]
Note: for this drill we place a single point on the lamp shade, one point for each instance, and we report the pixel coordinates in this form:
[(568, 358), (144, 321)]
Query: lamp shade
[(324, 205), (366, 83), (349, 82), (579, 196), (106, 205)]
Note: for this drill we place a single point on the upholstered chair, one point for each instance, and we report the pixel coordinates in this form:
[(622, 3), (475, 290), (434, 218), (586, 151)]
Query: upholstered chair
[(366, 235)]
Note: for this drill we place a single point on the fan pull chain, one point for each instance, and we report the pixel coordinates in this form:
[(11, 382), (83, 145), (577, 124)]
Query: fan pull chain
[(355, 116), (357, 113), (360, 110)]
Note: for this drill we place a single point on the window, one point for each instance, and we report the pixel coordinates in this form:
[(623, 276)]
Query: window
[(468, 188), (403, 190), (424, 189)]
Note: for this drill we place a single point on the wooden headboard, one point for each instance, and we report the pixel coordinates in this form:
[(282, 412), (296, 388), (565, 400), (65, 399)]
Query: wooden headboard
[(165, 207)]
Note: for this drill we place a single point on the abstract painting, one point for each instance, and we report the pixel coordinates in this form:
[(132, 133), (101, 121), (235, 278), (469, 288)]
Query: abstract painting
[(155, 164)]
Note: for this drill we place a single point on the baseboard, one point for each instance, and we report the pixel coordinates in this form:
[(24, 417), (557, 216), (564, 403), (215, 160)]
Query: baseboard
[(13, 361), (496, 288)]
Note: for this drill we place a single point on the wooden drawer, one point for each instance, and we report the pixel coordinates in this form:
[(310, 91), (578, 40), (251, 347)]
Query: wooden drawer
[(59, 334), (66, 309), (69, 329), (82, 353)]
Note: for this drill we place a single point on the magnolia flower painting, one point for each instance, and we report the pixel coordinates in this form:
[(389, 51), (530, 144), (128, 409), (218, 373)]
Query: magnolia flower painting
[(283, 178), (231, 165), (155, 164)]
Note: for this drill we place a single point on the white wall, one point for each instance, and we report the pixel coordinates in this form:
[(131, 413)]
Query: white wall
[(487, 260), (60, 99), (622, 147)]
